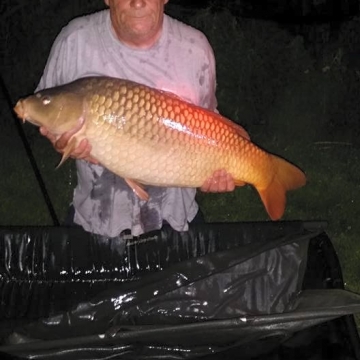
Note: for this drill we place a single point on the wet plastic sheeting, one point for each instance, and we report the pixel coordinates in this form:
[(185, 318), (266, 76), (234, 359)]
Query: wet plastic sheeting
[(216, 289)]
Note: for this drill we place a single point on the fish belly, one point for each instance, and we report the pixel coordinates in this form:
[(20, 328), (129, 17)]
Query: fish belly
[(176, 159), (155, 161)]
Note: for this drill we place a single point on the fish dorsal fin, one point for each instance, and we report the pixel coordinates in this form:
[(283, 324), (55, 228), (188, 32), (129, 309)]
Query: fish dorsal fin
[(238, 128), (174, 96)]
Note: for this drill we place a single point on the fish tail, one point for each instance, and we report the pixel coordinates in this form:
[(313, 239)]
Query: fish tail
[(286, 177)]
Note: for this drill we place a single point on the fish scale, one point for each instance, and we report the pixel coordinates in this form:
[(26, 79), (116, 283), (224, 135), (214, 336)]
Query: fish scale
[(148, 136)]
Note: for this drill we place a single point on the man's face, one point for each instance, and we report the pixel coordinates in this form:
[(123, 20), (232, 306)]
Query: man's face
[(136, 20)]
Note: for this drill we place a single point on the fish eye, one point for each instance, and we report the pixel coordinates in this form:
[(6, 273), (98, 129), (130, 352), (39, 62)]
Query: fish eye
[(46, 100)]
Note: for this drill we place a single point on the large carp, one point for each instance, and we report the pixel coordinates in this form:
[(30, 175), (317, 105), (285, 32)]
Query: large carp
[(148, 136)]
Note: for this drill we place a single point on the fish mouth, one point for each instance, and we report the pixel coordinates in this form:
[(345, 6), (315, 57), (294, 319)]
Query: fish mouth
[(22, 114), (20, 110)]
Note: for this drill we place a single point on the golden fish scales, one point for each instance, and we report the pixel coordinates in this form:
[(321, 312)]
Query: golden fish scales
[(169, 131)]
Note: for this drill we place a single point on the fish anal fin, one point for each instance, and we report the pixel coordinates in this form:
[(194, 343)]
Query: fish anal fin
[(286, 177), (70, 147), (239, 183), (138, 189), (274, 200)]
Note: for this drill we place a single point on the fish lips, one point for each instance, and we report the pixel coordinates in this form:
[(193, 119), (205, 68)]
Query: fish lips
[(20, 110), (21, 113)]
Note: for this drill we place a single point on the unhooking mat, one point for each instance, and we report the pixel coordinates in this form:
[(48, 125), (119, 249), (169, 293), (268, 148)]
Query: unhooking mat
[(261, 290)]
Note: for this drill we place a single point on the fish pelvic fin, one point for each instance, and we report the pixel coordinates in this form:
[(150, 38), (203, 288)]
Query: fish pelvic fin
[(137, 189), (287, 177), (70, 147)]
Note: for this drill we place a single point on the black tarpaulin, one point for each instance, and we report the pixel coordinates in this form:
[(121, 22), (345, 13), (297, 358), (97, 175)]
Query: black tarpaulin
[(260, 289)]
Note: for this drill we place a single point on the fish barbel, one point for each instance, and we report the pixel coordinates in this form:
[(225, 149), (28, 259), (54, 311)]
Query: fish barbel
[(152, 137)]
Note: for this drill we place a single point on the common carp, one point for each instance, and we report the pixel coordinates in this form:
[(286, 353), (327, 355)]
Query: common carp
[(152, 137)]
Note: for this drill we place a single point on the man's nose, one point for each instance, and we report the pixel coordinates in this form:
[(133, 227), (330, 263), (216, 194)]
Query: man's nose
[(138, 3)]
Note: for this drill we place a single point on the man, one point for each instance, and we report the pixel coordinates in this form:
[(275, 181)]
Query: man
[(134, 40)]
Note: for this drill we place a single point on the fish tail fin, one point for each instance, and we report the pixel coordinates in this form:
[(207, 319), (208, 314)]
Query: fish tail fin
[(287, 177)]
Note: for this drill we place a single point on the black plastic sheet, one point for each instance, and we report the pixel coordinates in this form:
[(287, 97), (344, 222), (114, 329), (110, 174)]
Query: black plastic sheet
[(214, 291)]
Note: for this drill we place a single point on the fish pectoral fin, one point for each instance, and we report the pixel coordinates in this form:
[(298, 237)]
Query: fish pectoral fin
[(137, 189), (70, 147)]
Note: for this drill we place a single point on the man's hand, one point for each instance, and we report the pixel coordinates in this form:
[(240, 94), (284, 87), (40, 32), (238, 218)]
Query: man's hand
[(82, 151), (220, 181)]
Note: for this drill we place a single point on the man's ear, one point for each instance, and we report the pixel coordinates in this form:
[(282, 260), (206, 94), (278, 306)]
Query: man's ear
[(106, 2)]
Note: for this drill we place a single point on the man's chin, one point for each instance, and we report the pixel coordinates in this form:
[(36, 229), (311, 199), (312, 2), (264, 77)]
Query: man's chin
[(141, 31)]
